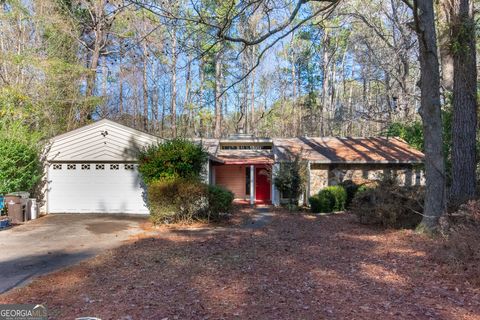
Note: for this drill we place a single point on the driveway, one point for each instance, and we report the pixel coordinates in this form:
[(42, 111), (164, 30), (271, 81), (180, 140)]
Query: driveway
[(57, 241)]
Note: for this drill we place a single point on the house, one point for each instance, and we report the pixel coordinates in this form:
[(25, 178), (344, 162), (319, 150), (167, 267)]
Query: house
[(94, 168)]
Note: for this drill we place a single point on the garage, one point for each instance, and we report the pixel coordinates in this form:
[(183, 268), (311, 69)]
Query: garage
[(94, 170)]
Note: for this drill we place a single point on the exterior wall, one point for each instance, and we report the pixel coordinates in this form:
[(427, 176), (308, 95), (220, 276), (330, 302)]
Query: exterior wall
[(233, 178), (318, 177), (322, 175)]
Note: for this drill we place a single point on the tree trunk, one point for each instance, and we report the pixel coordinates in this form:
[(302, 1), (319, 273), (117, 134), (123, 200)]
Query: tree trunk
[(145, 93), (252, 104), (173, 102), (162, 113), (296, 117), (325, 70), (218, 91), (91, 81), (187, 104), (444, 40), (201, 76), (464, 124), (120, 80), (155, 100), (430, 112), (144, 78), (104, 87)]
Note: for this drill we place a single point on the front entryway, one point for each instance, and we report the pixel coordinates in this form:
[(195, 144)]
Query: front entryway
[(262, 185)]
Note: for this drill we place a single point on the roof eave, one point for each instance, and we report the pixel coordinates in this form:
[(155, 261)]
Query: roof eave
[(366, 162)]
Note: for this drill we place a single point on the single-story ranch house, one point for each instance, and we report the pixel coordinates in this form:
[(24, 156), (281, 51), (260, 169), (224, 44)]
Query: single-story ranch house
[(94, 168)]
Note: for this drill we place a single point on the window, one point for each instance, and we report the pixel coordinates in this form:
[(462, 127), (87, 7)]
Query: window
[(114, 166), (247, 181), (246, 147), (71, 166), (100, 167), (57, 167), (129, 167), (85, 167)]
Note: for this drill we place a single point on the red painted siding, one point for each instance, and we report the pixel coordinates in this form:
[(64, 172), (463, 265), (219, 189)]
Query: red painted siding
[(233, 178)]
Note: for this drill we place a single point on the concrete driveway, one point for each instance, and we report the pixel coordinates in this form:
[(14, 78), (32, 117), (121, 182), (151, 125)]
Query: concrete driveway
[(56, 241)]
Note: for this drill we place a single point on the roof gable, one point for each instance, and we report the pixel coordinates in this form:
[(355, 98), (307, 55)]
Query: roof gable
[(104, 140)]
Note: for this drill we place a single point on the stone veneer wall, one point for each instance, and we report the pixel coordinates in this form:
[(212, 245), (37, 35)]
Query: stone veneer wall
[(323, 175)]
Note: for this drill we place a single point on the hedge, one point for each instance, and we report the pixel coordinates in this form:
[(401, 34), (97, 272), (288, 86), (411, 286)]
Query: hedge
[(328, 200)]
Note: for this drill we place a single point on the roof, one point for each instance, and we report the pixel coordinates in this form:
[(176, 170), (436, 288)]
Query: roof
[(210, 145), (104, 140), (347, 150), (245, 156)]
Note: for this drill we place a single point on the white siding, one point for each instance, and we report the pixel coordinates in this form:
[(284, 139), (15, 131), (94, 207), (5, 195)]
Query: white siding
[(102, 141)]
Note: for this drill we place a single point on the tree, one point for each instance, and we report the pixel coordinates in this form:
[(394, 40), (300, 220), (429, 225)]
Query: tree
[(430, 111), (464, 124), (290, 179), (91, 22)]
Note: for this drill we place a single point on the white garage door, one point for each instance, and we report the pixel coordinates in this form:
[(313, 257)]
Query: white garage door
[(96, 188)]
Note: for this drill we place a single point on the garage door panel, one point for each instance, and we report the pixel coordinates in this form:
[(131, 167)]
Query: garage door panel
[(105, 188)]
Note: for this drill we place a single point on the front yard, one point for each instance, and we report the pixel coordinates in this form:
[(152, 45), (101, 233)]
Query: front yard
[(295, 267)]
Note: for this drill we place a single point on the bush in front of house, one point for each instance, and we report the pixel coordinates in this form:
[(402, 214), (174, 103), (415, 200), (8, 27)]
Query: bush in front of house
[(323, 202), (220, 202), (172, 171), (172, 159), (177, 200), (184, 200), (20, 167), (340, 195), (290, 179), (389, 205), (328, 200)]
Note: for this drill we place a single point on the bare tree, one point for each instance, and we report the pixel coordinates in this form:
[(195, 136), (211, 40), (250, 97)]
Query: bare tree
[(464, 124), (430, 111)]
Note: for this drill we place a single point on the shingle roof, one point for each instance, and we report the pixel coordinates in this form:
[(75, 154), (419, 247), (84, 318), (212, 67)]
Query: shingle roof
[(209, 145), (347, 150)]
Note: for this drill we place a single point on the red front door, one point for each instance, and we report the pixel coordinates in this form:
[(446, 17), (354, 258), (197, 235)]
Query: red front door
[(262, 185)]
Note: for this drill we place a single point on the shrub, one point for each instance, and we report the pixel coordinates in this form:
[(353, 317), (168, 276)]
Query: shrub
[(290, 179), (328, 200), (175, 200), (172, 159), (323, 202), (20, 168), (351, 188), (461, 245), (340, 195), (389, 205), (182, 200), (219, 202)]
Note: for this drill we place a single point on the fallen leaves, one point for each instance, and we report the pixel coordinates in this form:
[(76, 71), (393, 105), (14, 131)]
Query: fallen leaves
[(296, 267)]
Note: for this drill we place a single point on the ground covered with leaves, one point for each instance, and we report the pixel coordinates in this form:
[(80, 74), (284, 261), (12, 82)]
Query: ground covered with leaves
[(296, 267)]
